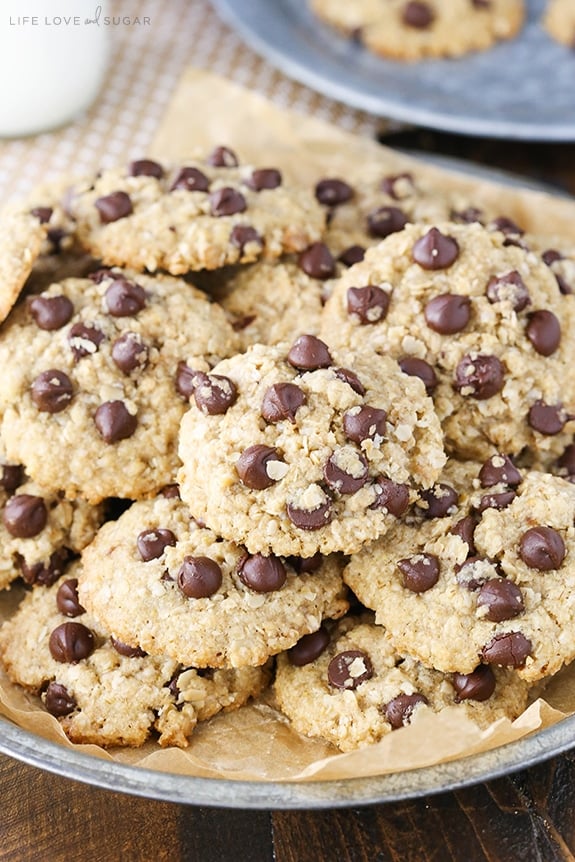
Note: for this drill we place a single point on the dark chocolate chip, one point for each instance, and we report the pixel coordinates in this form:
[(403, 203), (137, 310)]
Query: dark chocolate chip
[(51, 312), (43, 214), (71, 642), (317, 261), (499, 468), (126, 649), (152, 543), (351, 255), (506, 226), (129, 353), (282, 401), (542, 548), (465, 528), (509, 287), (391, 496), (416, 367), (146, 168), (435, 250), (496, 501), (52, 391), (470, 215), (190, 180), (84, 340), (243, 235), (418, 15), (543, 331), (171, 492), (478, 685), (227, 202), (45, 573), (306, 565), (199, 577), (255, 467), (310, 519), (399, 186), (11, 476), (125, 298), (222, 157), (548, 419), (348, 669), (114, 421), (364, 423), (58, 700), (448, 313), (187, 379), (510, 649), (501, 598), (262, 574), (420, 572), (25, 516), (351, 378), (473, 572), (337, 477), (214, 394), (368, 304), (567, 460), (551, 256), (386, 220), (264, 178), (481, 4), (333, 192), (113, 207), (479, 376), (67, 599), (440, 501), (308, 648), (309, 353), (398, 711)]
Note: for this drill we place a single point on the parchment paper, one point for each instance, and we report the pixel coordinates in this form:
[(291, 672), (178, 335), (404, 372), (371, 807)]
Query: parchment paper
[(256, 743)]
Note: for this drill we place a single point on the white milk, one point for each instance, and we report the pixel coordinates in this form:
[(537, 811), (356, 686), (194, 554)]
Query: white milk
[(53, 56)]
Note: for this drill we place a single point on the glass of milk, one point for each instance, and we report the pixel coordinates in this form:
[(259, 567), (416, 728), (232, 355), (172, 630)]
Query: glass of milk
[(53, 57)]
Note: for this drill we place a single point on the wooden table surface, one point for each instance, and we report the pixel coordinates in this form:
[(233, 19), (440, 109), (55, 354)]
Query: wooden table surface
[(527, 817)]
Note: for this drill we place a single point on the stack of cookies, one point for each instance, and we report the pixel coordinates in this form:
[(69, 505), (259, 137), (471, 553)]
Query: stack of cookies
[(312, 444)]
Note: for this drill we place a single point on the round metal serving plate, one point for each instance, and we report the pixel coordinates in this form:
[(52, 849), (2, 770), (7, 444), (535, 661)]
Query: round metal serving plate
[(170, 787), (520, 89)]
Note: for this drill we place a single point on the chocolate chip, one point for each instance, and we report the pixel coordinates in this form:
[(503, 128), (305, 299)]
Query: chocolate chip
[(543, 331), (351, 378), (282, 401), (548, 419), (510, 649), (499, 468), (258, 467), (496, 501), (58, 700), (506, 226), (113, 207), (43, 214), (368, 304), (264, 178), (47, 572), (310, 519), (126, 649), (478, 685), (470, 215), (52, 391), (391, 496), (51, 312), (317, 261), (214, 394), (25, 516), (125, 298), (171, 492), (551, 256), (481, 4), (509, 287), (435, 250), (187, 379), (351, 255), (67, 599), (398, 711), (566, 462), (348, 669), (84, 340), (364, 423), (399, 186), (11, 477), (222, 157), (416, 367), (102, 274), (129, 353), (227, 202), (474, 572), (199, 577), (243, 235), (386, 220), (346, 471), (309, 353), (190, 180), (465, 528), (418, 14), (114, 421), (333, 192), (306, 565), (440, 501), (479, 376), (502, 599), (71, 642), (152, 543), (146, 168), (420, 572), (542, 548), (262, 574), (448, 313), (308, 648)]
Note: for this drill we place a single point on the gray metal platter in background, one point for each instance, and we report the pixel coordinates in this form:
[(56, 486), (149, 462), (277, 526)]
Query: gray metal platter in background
[(521, 89)]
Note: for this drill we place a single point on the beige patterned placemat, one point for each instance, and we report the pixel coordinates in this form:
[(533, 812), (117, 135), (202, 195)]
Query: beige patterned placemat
[(145, 65)]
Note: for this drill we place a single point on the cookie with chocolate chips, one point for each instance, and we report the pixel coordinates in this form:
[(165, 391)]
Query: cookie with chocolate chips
[(491, 580), (95, 380), (154, 575), (23, 234), (352, 687), (312, 449), (104, 691), (413, 29), (482, 322), (200, 215)]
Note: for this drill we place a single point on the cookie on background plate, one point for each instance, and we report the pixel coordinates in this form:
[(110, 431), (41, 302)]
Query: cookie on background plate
[(559, 21)]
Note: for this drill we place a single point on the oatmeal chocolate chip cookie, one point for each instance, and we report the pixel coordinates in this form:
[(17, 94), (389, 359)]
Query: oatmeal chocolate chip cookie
[(92, 394), (302, 449), (491, 581), (22, 236), (413, 29), (349, 685), (559, 21), (201, 215), (106, 692), (155, 576), (482, 321)]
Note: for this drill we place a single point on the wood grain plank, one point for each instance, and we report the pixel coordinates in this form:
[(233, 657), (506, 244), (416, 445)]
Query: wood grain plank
[(224, 835)]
